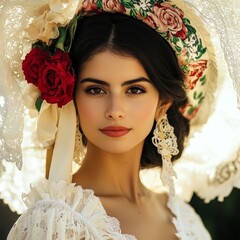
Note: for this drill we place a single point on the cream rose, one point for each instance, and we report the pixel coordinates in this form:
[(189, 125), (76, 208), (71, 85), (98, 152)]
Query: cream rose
[(58, 13), (67, 8), (45, 27)]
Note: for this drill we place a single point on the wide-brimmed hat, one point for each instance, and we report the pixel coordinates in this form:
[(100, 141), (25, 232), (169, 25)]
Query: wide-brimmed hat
[(198, 31)]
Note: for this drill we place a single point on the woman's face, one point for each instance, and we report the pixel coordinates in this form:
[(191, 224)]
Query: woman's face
[(116, 102)]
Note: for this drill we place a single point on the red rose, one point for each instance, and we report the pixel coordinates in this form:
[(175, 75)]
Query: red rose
[(196, 70), (53, 75), (31, 64)]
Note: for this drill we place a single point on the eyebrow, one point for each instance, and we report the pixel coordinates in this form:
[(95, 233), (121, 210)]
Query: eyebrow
[(101, 82)]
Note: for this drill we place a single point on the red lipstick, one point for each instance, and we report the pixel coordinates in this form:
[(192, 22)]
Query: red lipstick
[(115, 131)]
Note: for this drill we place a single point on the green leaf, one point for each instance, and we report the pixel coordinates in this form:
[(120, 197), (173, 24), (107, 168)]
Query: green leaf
[(99, 4), (195, 95), (203, 80), (66, 35), (127, 4), (199, 95), (178, 49), (186, 21), (201, 51), (71, 29), (152, 2), (133, 12), (143, 13), (190, 110), (61, 39), (164, 34), (185, 68), (38, 103), (191, 30), (201, 100)]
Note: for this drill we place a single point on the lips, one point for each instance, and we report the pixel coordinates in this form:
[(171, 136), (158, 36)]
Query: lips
[(115, 131)]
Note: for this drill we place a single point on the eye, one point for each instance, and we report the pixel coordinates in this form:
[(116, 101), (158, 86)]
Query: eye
[(135, 90), (95, 90)]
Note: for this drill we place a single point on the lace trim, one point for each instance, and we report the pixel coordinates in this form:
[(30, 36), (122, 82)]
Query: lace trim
[(225, 171), (55, 206), (48, 204), (188, 224), (216, 15), (66, 210)]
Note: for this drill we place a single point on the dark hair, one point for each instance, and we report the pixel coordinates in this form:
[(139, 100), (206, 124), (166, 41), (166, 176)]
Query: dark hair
[(124, 35)]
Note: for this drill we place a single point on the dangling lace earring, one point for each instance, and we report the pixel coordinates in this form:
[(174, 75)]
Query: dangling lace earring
[(79, 150), (166, 142)]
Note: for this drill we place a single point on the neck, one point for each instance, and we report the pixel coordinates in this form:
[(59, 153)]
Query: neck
[(112, 174)]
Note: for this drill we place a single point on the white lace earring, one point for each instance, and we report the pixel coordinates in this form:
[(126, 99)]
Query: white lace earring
[(79, 150), (166, 142)]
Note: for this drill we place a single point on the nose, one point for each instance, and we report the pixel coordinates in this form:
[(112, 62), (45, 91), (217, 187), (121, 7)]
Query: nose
[(114, 108)]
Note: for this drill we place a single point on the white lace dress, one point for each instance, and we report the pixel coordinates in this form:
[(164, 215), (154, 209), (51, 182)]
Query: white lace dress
[(65, 211)]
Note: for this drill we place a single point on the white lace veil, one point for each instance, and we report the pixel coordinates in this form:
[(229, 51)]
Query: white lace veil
[(210, 164)]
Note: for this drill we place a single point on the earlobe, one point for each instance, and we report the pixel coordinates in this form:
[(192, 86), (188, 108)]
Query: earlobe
[(162, 109)]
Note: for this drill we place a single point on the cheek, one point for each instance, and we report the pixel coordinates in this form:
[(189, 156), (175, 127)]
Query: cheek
[(87, 111), (146, 110)]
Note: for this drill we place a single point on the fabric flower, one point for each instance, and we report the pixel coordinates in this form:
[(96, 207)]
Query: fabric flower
[(53, 75), (67, 8), (88, 5), (196, 70), (45, 27), (113, 5), (189, 111), (33, 60), (169, 19), (57, 13)]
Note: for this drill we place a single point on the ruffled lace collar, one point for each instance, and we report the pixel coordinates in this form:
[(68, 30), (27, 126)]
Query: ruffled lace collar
[(86, 209)]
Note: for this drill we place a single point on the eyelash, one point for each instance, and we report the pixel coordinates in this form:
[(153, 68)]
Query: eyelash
[(91, 90), (138, 88)]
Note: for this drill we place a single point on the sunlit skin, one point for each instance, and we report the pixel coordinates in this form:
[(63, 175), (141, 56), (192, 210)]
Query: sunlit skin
[(117, 104)]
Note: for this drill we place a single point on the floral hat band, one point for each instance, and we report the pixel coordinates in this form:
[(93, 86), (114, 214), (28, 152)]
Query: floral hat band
[(48, 66)]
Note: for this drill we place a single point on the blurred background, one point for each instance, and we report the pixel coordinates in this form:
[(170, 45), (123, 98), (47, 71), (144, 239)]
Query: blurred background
[(221, 218)]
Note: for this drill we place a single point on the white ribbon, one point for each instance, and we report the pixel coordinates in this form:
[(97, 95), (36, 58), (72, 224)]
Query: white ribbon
[(58, 126)]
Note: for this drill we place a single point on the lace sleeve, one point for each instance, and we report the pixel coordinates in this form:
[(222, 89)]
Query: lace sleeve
[(188, 224), (64, 211)]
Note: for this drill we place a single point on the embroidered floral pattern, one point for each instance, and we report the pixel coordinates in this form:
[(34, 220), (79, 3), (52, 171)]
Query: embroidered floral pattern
[(54, 24)]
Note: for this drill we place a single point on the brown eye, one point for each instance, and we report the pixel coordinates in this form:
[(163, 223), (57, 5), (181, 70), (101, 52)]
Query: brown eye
[(135, 90), (95, 90)]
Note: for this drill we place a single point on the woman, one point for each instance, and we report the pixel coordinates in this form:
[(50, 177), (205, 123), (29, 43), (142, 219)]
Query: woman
[(124, 85)]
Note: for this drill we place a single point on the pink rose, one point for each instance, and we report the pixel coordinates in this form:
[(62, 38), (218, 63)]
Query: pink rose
[(169, 18), (196, 70), (89, 5), (53, 75), (150, 20), (113, 5)]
